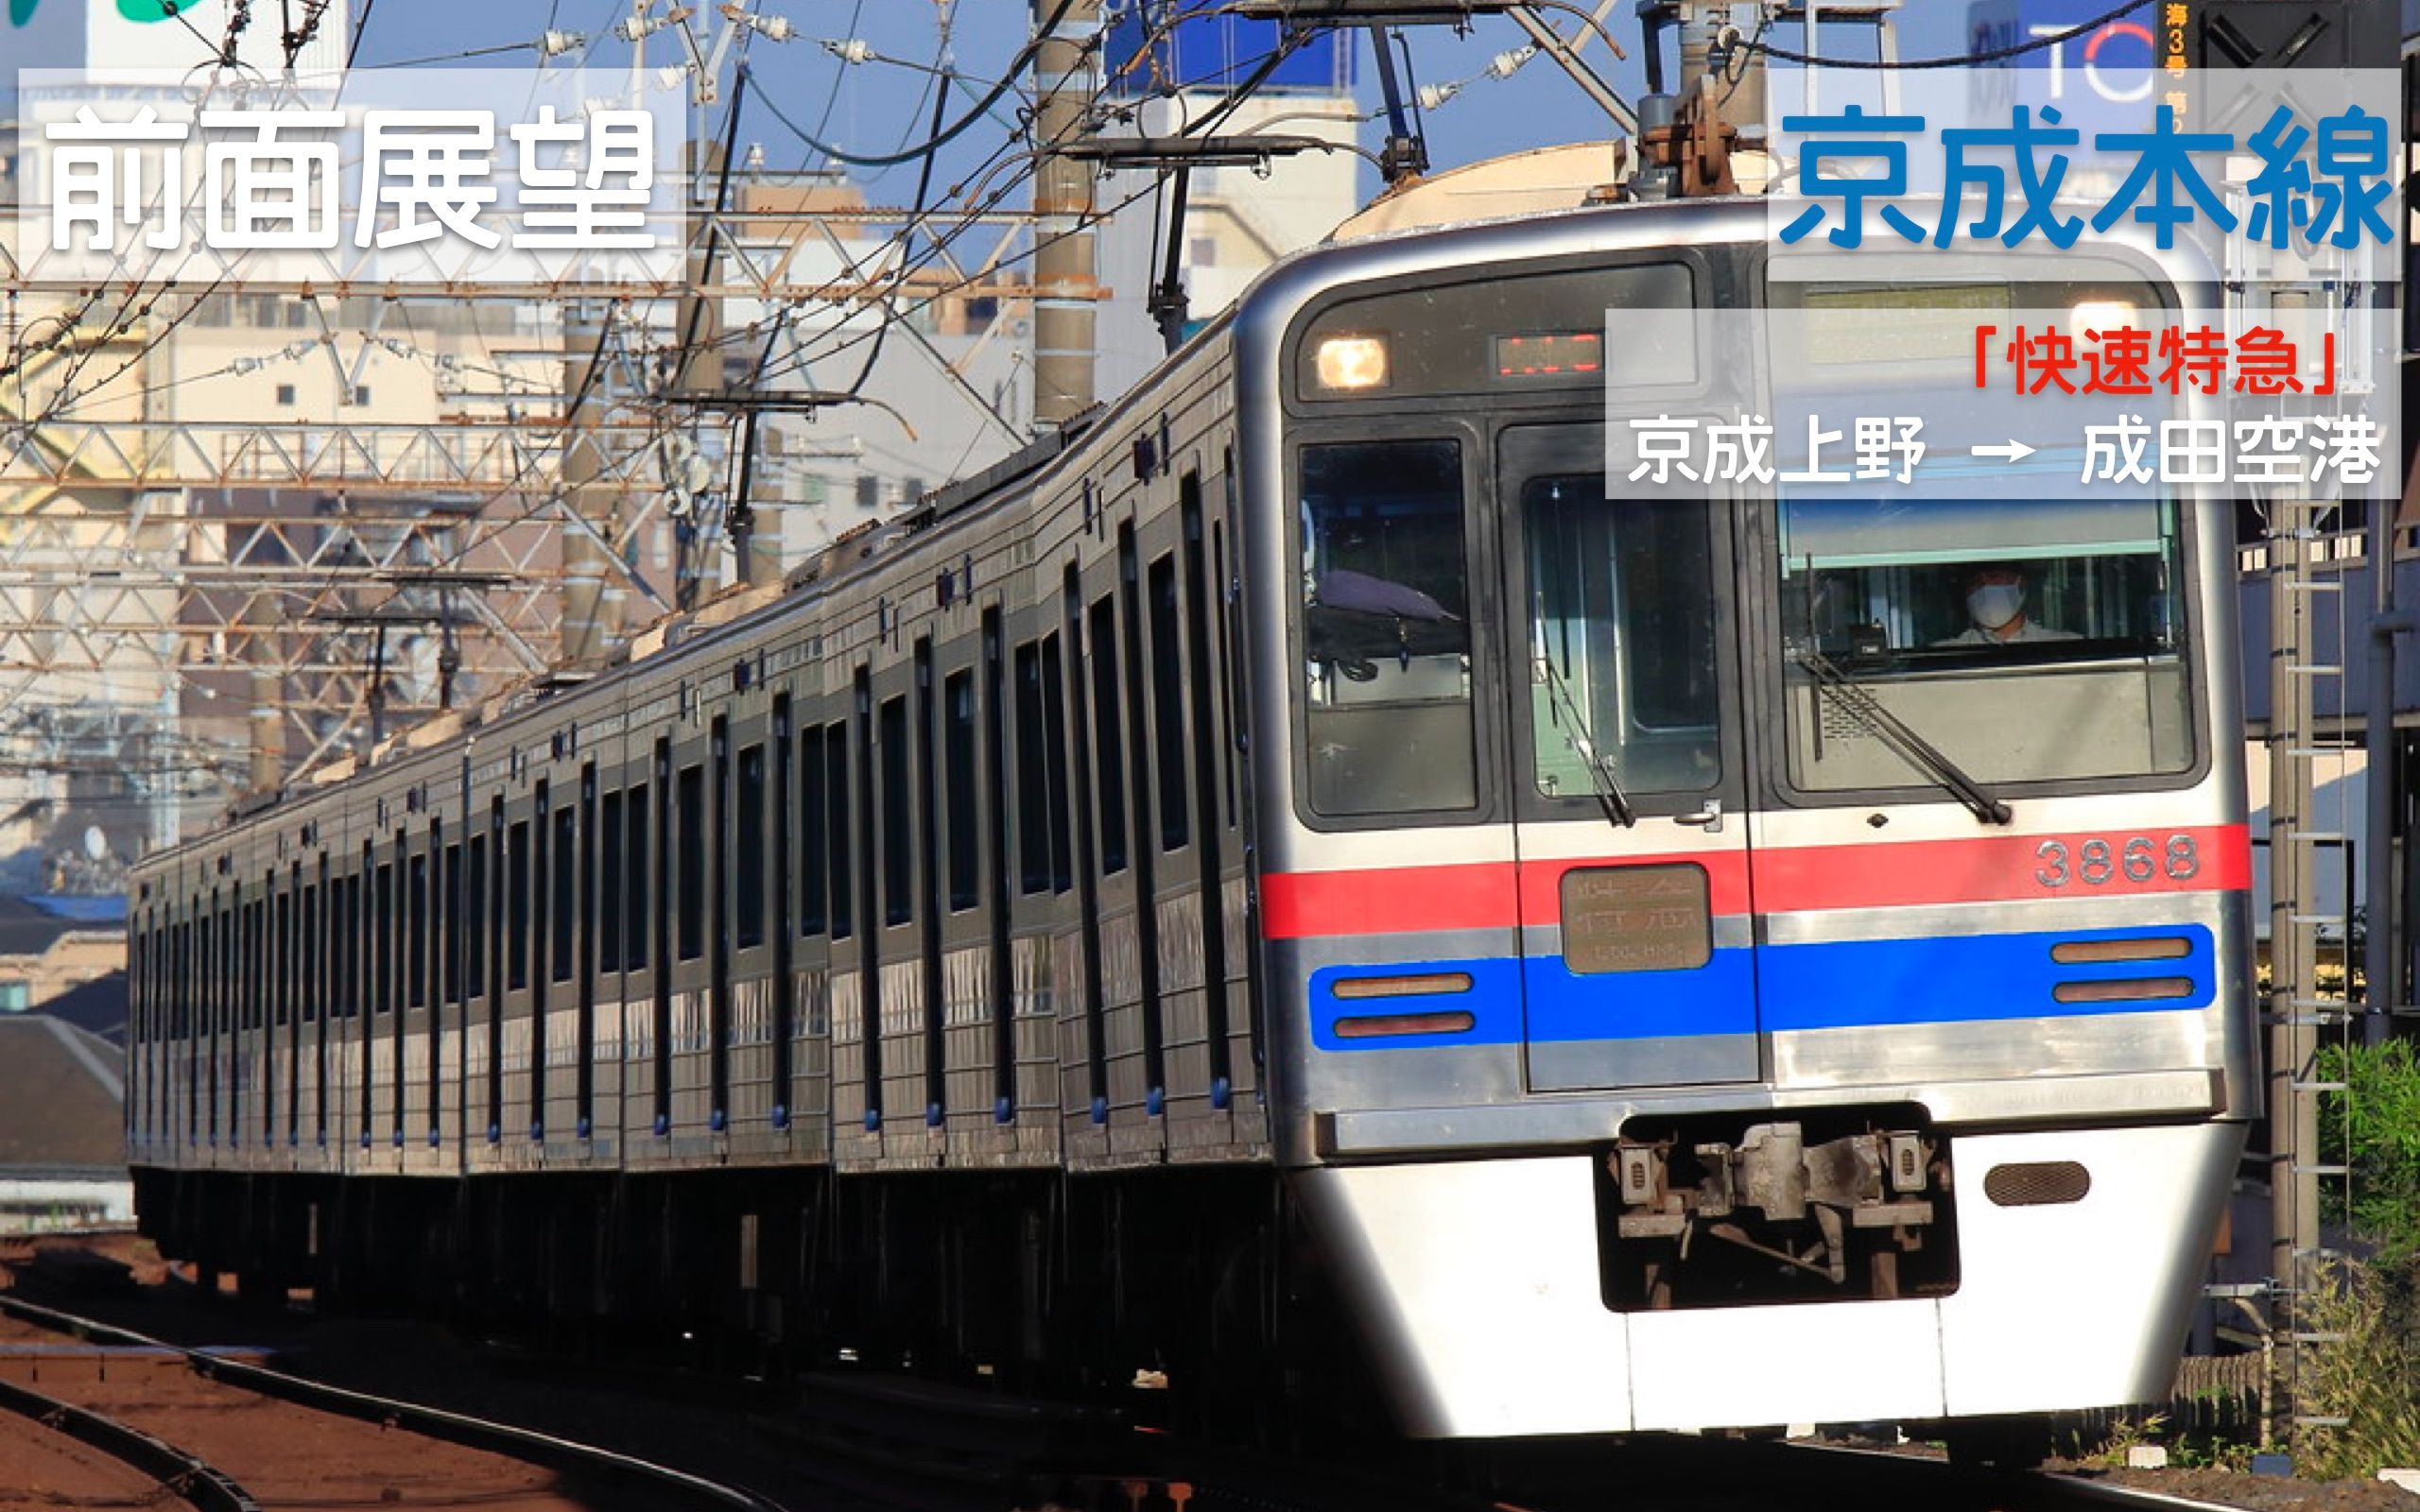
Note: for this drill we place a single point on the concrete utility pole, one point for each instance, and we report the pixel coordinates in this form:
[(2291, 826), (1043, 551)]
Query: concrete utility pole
[(266, 712), (1066, 273), (2296, 1011)]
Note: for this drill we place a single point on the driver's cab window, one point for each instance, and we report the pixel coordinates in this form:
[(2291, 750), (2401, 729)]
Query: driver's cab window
[(2027, 641), (1385, 628)]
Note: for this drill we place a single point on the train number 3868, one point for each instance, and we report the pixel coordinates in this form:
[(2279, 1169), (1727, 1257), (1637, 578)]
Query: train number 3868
[(2097, 863)]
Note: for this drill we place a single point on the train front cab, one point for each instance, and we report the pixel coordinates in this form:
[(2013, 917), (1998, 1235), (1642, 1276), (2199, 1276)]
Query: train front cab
[(1670, 1047)]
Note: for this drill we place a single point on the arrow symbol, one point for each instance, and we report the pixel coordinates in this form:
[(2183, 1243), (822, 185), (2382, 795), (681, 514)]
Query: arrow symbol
[(2009, 451)]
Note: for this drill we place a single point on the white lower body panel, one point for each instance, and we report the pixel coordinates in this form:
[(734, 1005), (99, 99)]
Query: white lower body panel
[(1478, 1283)]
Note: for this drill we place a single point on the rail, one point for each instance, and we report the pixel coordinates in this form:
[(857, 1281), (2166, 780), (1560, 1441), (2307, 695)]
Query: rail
[(1239, 1475), (431, 1422), (199, 1483)]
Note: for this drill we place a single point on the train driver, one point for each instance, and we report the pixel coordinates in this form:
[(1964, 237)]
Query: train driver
[(1995, 594)]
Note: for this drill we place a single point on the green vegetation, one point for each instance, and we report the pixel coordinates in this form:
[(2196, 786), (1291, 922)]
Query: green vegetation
[(2366, 1308), (2376, 1129), (2365, 1374)]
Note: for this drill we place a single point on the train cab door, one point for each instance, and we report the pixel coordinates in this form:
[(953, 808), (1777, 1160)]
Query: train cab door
[(1626, 777)]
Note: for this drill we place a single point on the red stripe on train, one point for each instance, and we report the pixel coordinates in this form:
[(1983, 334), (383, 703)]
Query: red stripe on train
[(1986, 869), (1385, 901), (2004, 869)]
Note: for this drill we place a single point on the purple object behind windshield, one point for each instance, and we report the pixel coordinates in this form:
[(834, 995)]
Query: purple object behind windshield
[(1365, 594)]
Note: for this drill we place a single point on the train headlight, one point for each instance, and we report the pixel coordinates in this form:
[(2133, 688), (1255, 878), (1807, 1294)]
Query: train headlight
[(2101, 315), (1351, 362)]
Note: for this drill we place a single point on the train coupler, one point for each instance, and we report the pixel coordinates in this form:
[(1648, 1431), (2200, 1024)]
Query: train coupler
[(1779, 1203)]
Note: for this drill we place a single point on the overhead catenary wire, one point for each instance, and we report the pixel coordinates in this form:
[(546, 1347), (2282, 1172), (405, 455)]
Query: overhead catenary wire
[(903, 316), (360, 29), (1227, 105), (889, 159), (925, 240)]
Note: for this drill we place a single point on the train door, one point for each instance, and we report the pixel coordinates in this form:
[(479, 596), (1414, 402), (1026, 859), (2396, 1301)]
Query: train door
[(1626, 774)]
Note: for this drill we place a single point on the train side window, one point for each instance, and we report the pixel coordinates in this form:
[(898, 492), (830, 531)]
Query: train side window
[(1384, 616), (260, 985), (239, 1004), (516, 904), (1168, 703), (562, 893), (210, 941), (339, 919), (339, 924), (285, 958), (265, 959), (245, 978), (1231, 683), (474, 920), (1054, 730), (609, 876), (361, 908), (815, 833), (690, 794), (306, 940), (634, 901), (255, 964), (543, 900), (382, 990), (590, 849), (748, 851), (1109, 760), (898, 904), (835, 824), (416, 937), (1034, 773), (958, 761), (450, 990), (263, 963)]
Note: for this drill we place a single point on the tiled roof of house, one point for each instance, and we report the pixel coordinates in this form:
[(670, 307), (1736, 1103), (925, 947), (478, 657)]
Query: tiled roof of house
[(97, 1006), (62, 1095)]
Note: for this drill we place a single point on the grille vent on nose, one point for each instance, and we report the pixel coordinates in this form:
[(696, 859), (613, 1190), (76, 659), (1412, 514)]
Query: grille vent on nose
[(2036, 1184)]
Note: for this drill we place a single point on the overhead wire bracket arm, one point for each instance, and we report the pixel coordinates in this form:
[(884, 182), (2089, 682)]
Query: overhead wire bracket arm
[(1406, 152), (1191, 151), (1591, 84)]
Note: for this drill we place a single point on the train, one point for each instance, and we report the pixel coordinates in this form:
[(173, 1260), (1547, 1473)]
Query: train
[(1301, 888)]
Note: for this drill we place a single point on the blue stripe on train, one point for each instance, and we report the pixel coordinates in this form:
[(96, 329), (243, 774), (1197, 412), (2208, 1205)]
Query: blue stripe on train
[(1824, 984)]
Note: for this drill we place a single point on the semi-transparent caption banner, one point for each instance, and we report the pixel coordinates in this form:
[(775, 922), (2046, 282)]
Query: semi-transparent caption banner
[(2261, 176), (1980, 390), (384, 176)]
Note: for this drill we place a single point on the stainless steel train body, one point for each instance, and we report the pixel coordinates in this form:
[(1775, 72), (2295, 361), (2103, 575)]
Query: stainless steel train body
[(1300, 792)]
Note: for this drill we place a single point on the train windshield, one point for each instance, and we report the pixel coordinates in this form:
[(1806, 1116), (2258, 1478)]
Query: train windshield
[(1385, 628), (1622, 628), (2027, 641)]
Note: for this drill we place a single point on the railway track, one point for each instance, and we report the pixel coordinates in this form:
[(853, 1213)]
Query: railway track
[(871, 1441), (143, 1464), (201, 1474)]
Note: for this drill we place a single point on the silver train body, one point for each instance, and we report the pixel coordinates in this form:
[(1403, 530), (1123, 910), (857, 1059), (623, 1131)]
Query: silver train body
[(1301, 780)]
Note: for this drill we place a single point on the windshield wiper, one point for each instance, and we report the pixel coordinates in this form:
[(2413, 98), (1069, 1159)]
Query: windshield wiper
[(1896, 733), (1609, 792)]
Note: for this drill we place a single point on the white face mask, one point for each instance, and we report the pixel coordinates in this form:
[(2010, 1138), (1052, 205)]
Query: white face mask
[(1994, 605)]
